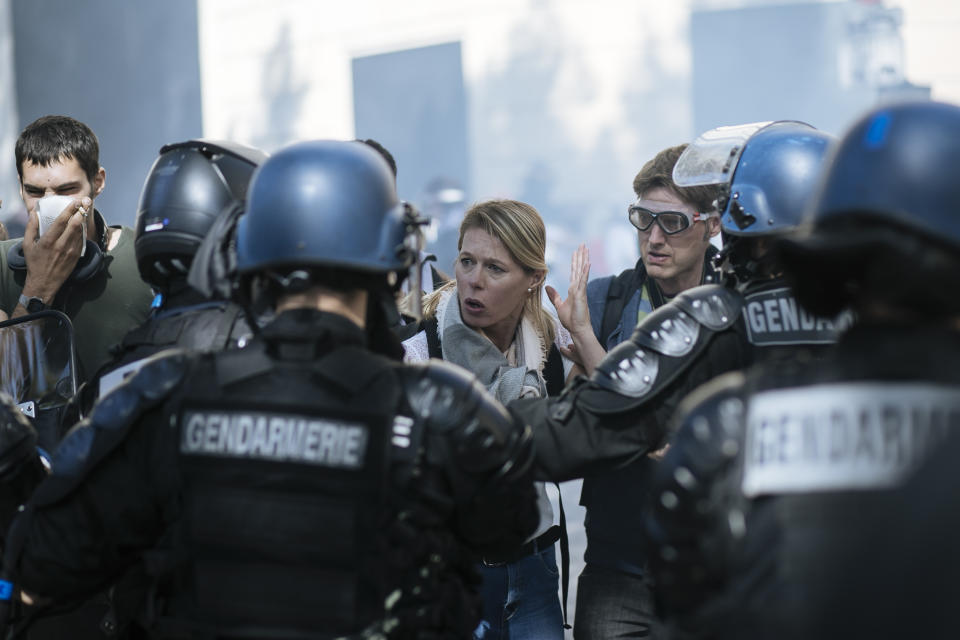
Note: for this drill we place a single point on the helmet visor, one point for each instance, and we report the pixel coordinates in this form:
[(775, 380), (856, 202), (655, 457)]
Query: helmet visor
[(712, 157)]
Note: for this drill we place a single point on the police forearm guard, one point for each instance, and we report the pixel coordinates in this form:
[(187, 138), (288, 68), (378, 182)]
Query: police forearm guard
[(113, 416), (663, 345), (89, 442), (695, 516), (21, 468), (484, 453), (470, 434)]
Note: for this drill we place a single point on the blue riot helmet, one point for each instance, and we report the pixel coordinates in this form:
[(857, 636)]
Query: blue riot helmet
[(327, 211), (885, 224), (767, 172), (189, 185)]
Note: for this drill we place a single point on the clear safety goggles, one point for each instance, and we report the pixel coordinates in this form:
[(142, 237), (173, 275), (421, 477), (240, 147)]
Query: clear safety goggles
[(671, 222)]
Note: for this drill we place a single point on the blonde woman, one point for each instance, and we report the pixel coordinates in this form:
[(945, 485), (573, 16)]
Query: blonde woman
[(489, 319)]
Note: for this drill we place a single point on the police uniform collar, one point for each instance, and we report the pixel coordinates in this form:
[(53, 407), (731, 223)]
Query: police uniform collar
[(292, 333)]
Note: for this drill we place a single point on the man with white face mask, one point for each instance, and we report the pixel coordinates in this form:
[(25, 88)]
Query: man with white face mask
[(77, 265)]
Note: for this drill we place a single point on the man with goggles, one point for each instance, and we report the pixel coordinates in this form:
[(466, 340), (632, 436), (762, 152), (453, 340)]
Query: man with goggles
[(613, 597), (643, 213)]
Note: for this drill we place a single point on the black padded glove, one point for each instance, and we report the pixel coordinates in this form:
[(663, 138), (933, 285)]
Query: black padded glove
[(21, 468)]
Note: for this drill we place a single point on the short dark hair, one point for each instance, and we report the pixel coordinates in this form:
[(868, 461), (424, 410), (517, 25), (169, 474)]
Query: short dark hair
[(658, 172), (382, 150), (52, 138)]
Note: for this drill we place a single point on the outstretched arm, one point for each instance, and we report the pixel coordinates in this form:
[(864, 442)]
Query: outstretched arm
[(622, 411)]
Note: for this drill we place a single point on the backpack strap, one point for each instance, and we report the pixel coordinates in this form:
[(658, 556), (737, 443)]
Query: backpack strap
[(621, 289), (433, 338), (553, 372), (564, 556)]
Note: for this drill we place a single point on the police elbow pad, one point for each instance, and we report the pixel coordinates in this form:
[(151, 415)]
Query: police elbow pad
[(666, 341), (695, 514), (21, 468), (472, 434)]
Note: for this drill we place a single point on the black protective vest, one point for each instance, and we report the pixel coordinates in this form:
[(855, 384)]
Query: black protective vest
[(770, 327), (791, 481), (329, 491), (284, 476), (207, 326)]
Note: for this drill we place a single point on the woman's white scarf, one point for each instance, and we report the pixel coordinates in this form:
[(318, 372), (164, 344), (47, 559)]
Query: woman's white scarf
[(475, 352)]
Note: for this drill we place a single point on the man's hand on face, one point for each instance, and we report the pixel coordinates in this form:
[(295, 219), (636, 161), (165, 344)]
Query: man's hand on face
[(52, 257)]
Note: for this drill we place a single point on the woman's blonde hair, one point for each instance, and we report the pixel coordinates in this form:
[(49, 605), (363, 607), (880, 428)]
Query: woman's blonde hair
[(520, 228)]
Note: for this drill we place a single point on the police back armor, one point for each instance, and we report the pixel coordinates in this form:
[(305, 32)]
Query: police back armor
[(757, 503), (333, 492)]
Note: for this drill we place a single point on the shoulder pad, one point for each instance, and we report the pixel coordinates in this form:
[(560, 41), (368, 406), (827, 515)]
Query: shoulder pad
[(92, 439), (669, 330), (471, 431), (719, 403), (673, 328), (159, 374), (635, 367), (628, 370), (444, 395), (714, 306), (695, 513)]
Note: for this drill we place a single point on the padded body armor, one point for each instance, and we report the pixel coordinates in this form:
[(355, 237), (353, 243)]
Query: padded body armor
[(751, 517), (322, 492)]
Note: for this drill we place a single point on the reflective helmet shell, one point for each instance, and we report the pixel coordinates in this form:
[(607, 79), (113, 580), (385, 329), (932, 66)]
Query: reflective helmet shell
[(189, 185), (899, 164), (323, 203), (774, 180)]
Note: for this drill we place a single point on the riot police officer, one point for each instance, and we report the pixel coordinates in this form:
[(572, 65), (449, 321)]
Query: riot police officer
[(190, 185), (309, 239), (305, 485), (765, 172), (775, 512)]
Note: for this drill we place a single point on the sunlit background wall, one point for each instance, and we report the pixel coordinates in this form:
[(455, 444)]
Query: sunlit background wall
[(555, 102)]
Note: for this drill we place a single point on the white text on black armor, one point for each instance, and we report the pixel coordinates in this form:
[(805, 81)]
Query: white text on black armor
[(843, 436), (774, 318), (290, 438)]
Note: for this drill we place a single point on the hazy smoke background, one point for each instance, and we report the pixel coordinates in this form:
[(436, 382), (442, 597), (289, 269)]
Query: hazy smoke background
[(555, 102)]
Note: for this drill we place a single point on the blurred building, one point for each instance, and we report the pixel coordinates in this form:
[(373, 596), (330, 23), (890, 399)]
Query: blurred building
[(820, 62), (130, 70)]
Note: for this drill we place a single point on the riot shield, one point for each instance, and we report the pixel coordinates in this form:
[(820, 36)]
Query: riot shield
[(38, 369)]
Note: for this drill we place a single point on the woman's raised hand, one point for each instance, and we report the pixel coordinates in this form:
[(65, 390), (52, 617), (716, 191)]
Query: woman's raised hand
[(574, 314)]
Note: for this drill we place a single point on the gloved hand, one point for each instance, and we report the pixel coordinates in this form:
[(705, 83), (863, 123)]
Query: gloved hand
[(21, 468)]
